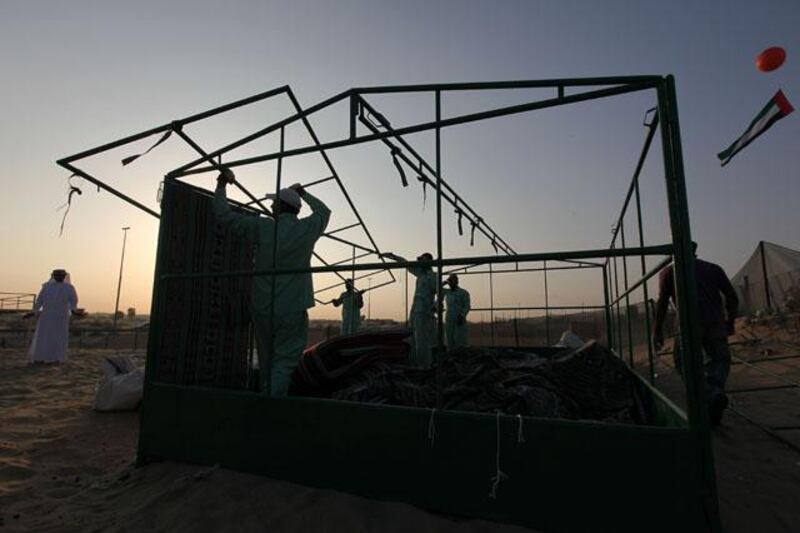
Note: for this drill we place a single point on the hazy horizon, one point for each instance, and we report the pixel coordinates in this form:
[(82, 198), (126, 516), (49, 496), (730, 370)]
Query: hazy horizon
[(87, 73)]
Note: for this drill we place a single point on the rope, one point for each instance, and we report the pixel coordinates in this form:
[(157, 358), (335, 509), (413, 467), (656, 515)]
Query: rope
[(520, 434), (432, 428), (499, 475), (398, 166), (460, 226)]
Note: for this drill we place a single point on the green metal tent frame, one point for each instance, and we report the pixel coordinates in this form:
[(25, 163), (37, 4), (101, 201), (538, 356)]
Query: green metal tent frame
[(565, 475)]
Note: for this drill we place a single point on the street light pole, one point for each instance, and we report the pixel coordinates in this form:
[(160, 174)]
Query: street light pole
[(369, 299), (119, 283)]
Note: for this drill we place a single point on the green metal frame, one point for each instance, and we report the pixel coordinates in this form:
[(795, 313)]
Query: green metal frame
[(565, 476)]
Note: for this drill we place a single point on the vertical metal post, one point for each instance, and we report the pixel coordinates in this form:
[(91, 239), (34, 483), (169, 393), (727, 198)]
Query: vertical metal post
[(355, 309), (764, 272), (609, 325), (619, 312), (647, 323), (266, 373), (119, 282), (627, 297), (546, 307), (686, 296), (491, 302), (406, 295), (439, 295)]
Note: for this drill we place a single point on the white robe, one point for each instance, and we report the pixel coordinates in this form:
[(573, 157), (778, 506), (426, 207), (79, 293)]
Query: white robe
[(54, 304)]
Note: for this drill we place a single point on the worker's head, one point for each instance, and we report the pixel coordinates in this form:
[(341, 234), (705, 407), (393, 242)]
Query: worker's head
[(694, 247), (452, 281), (348, 284), (59, 274), (425, 257), (287, 201)]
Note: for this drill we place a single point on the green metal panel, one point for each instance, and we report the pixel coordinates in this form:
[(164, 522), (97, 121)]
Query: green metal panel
[(565, 476)]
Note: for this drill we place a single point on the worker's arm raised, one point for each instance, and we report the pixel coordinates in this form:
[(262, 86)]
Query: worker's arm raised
[(414, 271), (238, 223), (320, 213)]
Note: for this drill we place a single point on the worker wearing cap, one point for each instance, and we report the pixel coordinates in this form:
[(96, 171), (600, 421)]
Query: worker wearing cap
[(457, 302), (351, 301), (287, 328), (421, 316)]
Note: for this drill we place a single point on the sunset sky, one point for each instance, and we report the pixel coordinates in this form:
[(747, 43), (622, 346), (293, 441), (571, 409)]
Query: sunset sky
[(79, 74)]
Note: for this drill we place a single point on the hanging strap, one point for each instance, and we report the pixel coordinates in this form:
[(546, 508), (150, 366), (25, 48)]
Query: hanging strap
[(460, 225), (475, 223), (131, 158), (398, 166), (494, 243), (72, 190)]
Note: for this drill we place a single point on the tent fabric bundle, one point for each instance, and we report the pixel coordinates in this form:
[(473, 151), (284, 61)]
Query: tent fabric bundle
[(585, 383), (777, 108), (772, 269), (326, 365)]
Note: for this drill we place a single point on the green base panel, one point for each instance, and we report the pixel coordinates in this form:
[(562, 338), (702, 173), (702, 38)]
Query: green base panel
[(563, 476)]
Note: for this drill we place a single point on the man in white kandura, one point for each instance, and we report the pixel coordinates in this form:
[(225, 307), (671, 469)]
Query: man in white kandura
[(55, 303)]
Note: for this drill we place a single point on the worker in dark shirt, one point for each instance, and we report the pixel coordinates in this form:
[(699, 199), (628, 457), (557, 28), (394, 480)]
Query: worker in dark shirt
[(716, 324)]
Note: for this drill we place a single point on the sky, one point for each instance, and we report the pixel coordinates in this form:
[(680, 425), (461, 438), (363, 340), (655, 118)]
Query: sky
[(82, 73)]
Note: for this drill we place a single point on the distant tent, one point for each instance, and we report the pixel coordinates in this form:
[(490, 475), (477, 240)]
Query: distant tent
[(768, 279)]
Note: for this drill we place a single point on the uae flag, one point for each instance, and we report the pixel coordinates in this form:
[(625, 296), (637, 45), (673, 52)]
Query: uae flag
[(777, 108)]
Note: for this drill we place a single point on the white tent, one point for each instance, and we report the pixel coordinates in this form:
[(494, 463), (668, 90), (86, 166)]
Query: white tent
[(768, 279)]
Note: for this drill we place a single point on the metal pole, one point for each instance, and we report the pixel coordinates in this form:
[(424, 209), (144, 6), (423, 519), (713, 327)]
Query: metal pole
[(313, 134), (439, 306), (627, 297), (406, 295), (686, 296), (546, 307), (353, 295), (618, 317), (606, 296), (193, 168), (491, 302), (369, 298), (119, 281), (266, 373), (764, 272), (647, 324)]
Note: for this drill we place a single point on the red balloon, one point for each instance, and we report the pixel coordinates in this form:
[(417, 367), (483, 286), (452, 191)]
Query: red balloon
[(770, 59)]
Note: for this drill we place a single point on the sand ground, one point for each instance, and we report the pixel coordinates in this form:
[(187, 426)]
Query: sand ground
[(64, 467)]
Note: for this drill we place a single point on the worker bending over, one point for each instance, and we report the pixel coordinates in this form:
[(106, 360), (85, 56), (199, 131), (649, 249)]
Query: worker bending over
[(287, 330), (351, 301), (457, 304), (421, 315)]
